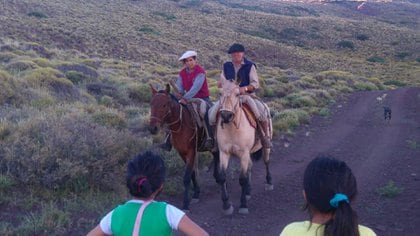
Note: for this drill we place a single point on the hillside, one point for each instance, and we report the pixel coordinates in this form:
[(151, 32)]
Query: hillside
[(280, 35), (74, 85)]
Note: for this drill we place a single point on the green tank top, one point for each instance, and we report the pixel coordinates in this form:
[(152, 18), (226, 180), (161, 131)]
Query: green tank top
[(153, 221)]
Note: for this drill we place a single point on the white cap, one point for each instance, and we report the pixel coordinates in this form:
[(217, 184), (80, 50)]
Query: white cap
[(187, 54)]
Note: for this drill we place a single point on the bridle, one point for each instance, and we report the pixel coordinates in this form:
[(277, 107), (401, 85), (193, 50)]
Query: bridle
[(235, 106), (161, 120)]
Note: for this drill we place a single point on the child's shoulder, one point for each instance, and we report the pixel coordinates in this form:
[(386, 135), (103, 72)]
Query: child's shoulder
[(366, 231), (297, 228)]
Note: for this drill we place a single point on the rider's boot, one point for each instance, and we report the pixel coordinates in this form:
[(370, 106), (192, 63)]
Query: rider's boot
[(209, 143)]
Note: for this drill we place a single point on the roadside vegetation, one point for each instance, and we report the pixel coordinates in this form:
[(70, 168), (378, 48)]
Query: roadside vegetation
[(74, 95)]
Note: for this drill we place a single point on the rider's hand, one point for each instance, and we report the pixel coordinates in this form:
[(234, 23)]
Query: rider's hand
[(183, 101), (178, 95), (219, 83), (243, 90)]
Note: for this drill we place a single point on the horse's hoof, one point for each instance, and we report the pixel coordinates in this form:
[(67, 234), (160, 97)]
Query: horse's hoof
[(248, 197), (229, 211), (269, 187), (243, 211), (194, 200)]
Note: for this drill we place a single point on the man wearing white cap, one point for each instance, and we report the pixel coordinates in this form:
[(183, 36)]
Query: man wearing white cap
[(192, 83)]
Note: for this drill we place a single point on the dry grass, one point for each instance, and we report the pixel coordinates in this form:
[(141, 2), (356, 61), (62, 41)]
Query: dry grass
[(74, 92)]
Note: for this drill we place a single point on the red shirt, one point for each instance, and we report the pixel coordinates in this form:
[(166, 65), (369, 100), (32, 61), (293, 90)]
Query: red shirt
[(188, 80)]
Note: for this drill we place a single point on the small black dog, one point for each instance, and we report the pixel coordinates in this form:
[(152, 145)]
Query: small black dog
[(387, 113)]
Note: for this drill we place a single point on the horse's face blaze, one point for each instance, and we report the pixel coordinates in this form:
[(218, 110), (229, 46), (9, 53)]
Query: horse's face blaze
[(229, 101)]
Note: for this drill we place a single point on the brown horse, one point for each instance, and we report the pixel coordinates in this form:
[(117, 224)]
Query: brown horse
[(186, 137)]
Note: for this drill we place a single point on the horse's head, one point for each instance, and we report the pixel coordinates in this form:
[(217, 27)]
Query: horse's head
[(229, 101), (160, 108)]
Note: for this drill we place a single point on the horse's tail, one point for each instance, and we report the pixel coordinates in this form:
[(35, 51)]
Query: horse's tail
[(256, 156)]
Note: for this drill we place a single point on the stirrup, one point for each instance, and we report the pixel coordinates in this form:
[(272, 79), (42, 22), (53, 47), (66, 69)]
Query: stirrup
[(208, 144)]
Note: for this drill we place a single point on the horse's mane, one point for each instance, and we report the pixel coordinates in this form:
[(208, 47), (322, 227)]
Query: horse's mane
[(170, 94)]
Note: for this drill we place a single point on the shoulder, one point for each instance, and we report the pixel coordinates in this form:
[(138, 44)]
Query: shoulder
[(228, 63), (183, 71), (249, 63), (200, 69), (296, 228), (366, 231)]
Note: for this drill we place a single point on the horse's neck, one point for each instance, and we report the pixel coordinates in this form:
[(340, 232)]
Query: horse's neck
[(179, 119)]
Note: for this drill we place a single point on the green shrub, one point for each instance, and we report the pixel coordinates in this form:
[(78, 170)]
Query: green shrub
[(413, 144), (37, 14), (49, 220), (324, 112), (140, 93), (390, 190), (365, 86), (300, 99), (110, 118), (289, 119), (362, 37), (395, 83), (376, 59), (345, 44), (6, 182), (165, 15), (106, 101), (378, 83), (6, 57), (52, 80), (59, 151), (19, 66), (42, 62), (81, 68), (76, 77), (402, 55), (334, 75), (149, 30)]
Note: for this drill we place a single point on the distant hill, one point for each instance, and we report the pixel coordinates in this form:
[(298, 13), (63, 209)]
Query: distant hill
[(302, 36)]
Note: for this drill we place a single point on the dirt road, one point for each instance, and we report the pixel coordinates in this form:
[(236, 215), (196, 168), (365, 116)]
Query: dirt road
[(376, 150)]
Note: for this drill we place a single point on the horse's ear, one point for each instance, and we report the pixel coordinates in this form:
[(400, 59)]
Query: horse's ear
[(154, 91), (168, 88)]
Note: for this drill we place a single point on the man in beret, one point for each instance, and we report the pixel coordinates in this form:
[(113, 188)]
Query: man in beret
[(192, 83), (244, 72)]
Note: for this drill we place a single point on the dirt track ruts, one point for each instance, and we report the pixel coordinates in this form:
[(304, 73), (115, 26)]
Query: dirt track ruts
[(355, 131)]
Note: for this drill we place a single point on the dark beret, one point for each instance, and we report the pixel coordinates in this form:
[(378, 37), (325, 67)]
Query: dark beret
[(236, 47)]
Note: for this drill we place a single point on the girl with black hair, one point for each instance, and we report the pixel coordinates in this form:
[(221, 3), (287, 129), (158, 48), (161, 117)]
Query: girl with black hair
[(329, 188), (142, 215)]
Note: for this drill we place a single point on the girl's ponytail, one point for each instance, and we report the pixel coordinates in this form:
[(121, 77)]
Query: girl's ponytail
[(344, 221)]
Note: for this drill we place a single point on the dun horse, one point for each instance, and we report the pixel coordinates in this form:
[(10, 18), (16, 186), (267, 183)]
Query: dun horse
[(186, 138), (237, 137)]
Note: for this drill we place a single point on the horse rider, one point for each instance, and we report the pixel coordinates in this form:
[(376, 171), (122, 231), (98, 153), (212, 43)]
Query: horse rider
[(192, 83), (244, 71)]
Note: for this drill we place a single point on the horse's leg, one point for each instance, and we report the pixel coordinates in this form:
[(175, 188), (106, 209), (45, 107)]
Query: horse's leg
[(216, 166), (268, 185), (244, 182), (196, 194), (190, 158), (227, 206)]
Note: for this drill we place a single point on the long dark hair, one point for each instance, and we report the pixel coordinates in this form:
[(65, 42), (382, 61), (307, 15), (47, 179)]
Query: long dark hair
[(145, 174), (324, 178)]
